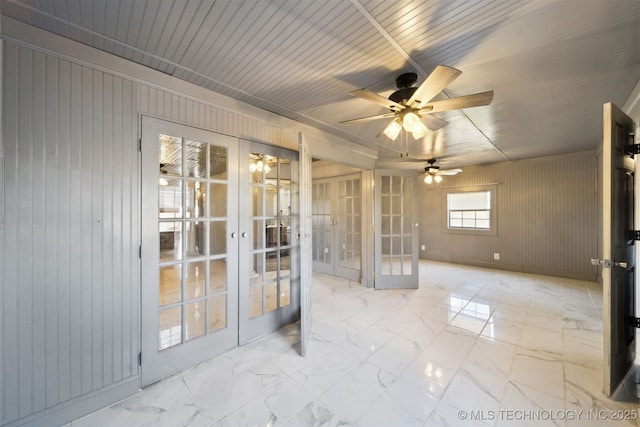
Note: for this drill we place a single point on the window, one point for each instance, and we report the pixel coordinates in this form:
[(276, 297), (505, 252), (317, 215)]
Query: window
[(469, 210)]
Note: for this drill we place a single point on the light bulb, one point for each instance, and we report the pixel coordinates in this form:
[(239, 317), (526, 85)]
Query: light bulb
[(410, 122), (438, 178), (252, 167), (163, 182), (420, 130), (267, 169), (260, 165), (393, 130), (428, 179)]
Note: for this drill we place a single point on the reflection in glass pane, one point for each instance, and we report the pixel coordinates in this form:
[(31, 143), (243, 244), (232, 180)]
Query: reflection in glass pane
[(217, 276), (218, 200), (285, 232), (386, 245), (285, 201), (257, 268), (217, 162), (196, 199), (386, 225), (285, 170), (170, 155), (285, 262), (385, 265), (386, 205), (271, 297), (396, 245), (217, 313), (170, 241), (194, 279), (255, 201), (170, 327), (195, 320), (170, 290), (217, 237), (406, 265), (285, 292), (195, 238), (271, 201), (396, 224), (255, 301), (396, 266), (258, 234), (196, 159), (385, 187), (169, 198)]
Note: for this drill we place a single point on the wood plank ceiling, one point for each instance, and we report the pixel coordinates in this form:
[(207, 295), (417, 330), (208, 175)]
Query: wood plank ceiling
[(551, 63)]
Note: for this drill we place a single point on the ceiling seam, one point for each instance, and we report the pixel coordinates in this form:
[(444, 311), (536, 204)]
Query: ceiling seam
[(387, 36)]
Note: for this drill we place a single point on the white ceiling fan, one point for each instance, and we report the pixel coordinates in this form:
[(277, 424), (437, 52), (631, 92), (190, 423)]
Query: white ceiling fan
[(411, 105), (434, 173)]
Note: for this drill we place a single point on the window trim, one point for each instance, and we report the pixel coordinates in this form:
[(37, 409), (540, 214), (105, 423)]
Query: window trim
[(493, 217)]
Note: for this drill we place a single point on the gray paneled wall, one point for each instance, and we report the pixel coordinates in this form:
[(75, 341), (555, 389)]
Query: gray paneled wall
[(69, 287), (70, 215), (546, 217)]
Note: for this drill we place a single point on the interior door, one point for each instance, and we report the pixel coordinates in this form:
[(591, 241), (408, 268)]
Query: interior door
[(337, 226), (269, 244), (189, 253), (617, 247), (396, 249)]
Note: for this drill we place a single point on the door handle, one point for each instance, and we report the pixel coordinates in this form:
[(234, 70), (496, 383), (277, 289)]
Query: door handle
[(233, 235), (620, 264), (603, 262), (245, 234)]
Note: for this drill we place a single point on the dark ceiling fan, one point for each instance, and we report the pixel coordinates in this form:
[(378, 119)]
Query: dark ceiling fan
[(410, 105), (434, 173)]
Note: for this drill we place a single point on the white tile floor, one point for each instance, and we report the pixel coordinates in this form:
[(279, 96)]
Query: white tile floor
[(470, 347)]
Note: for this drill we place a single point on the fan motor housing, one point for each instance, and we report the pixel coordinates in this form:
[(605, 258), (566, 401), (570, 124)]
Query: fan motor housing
[(404, 83)]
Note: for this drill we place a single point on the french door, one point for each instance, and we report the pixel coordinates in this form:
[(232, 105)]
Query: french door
[(337, 226), (269, 239), (396, 249), (219, 244)]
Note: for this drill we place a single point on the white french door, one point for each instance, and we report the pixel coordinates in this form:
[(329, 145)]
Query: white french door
[(189, 258), (396, 249), (269, 265), (337, 226), (220, 247)]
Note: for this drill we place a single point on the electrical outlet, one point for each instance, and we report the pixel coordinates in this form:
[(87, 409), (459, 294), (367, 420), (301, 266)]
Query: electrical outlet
[(496, 256), (423, 247)]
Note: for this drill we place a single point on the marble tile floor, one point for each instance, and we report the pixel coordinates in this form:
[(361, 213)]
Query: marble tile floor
[(470, 347)]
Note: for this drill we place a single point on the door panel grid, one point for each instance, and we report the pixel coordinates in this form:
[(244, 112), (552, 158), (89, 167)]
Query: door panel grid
[(192, 224)]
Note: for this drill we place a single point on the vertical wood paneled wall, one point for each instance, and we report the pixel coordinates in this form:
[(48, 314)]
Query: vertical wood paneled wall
[(546, 217), (70, 279), (70, 221)]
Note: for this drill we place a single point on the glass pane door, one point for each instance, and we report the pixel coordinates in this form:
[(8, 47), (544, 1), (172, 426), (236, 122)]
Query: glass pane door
[(396, 251), (337, 227), (269, 275), (189, 254)]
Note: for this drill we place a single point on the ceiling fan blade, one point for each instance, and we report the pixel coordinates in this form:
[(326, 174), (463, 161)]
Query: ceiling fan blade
[(450, 172), (475, 100), (439, 78), (433, 123), (367, 119), (378, 99)]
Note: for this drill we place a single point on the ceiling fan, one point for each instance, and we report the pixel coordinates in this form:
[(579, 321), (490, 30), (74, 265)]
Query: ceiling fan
[(410, 105), (433, 173)]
